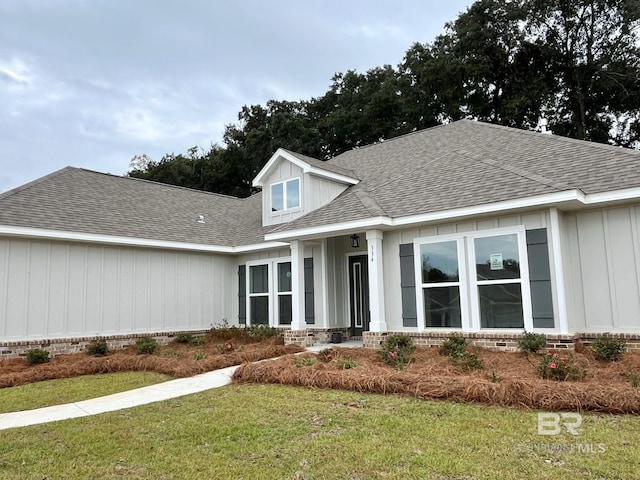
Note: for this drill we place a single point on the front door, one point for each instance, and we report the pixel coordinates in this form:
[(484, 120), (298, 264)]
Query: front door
[(358, 294)]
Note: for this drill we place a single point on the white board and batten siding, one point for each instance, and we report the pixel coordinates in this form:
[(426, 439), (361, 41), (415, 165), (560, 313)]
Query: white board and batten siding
[(70, 290), (601, 251), (392, 241)]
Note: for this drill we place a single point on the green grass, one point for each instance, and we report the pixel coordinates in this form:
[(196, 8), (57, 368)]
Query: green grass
[(68, 390), (273, 432)]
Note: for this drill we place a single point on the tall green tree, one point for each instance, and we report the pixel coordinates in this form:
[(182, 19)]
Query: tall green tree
[(593, 50)]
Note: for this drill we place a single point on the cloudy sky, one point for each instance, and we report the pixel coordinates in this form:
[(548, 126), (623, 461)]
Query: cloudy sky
[(91, 83)]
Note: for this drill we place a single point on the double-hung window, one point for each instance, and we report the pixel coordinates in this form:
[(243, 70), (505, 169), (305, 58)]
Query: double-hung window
[(285, 195), (473, 281), (441, 283), (269, 300)]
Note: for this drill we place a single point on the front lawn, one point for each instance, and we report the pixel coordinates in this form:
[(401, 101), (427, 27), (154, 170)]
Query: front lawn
[(273, 432), (69, 390)]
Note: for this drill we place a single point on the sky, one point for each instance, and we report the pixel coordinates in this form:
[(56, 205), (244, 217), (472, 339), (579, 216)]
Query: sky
[(91, 83)]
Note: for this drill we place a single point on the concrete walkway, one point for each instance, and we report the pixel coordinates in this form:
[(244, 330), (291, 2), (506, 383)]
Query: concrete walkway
[(132, 398)]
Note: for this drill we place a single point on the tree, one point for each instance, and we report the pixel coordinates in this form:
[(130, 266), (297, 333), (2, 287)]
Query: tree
[(593, 49)]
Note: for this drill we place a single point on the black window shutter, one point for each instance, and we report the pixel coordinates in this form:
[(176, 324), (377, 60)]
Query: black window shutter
[(540, 278), (408, 286), (242, 294), (309, 310)]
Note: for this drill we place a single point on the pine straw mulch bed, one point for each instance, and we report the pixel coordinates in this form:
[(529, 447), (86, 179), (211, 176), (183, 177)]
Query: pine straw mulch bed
[(175, 359), (605, 388)]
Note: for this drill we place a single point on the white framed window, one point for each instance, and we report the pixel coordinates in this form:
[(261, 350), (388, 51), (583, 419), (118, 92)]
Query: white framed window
[(442, 278), (474, 281), (269, 299), (285, 195)]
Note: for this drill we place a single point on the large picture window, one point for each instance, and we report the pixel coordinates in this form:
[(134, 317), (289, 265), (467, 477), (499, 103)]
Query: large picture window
[(473, 281), (285, 195)]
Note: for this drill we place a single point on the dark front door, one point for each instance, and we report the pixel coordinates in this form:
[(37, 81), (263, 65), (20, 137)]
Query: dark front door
[(359, 294)]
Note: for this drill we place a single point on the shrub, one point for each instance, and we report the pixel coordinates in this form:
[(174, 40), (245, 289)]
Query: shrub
[(199, 355), (455, 349), (453, 346), (171, 353), (634, 379), (608, 349), (184, 338), (346, 364), (197, 341), (262, 332), (466, 360), (36, 356), (532, 342), (397, 350), (146, 345), (555, 367), (97, 348), (227, 347), (327, 355), (304, 361)]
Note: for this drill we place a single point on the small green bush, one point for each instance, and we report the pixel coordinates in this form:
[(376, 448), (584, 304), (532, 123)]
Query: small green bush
[(455, 349), (97, 348), (327, 354), (199, 355), (184, 338), (227, 347), (532, 342), (561, 369), (467, 361), (346, 363), (634, 379), (146, 345), (262, 331), (608, 349), (453, 345), (171, 353), (36, 356), (301, 362), (397, 351), (197, 341)]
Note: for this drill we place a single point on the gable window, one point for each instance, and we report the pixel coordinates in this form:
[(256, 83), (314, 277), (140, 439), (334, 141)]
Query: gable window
[(472, 281), (285, 195)]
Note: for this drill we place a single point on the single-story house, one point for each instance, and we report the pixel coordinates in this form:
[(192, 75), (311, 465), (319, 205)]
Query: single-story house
[(472, 228)]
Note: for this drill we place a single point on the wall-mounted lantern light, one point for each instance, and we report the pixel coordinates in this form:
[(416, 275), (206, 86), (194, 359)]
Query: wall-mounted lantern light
[(355, 240)]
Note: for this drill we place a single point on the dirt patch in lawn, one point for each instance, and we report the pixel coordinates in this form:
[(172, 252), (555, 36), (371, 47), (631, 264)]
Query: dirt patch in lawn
[(175, 359), (506, 379)]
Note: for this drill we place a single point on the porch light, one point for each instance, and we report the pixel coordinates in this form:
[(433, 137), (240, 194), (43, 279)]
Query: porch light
[(355, 240)]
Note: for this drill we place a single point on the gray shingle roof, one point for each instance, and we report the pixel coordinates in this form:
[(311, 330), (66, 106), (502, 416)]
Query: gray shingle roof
[(78, 200), (468, 163), (329, 167), (462, 164)]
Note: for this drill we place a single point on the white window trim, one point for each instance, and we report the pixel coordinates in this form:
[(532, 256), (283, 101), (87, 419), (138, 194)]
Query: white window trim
[(284, 195), (278, 293), (525, 286), (468, 283), (461, 283), (272, 294)]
